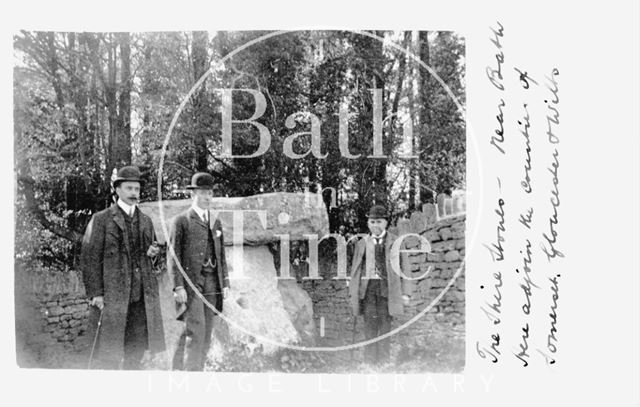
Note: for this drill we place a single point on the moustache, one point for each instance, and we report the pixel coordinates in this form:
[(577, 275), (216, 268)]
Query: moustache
[(133, 198)]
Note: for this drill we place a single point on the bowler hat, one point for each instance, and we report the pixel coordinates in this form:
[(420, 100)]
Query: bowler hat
[(202, 180), (129, 173), (377, 212)]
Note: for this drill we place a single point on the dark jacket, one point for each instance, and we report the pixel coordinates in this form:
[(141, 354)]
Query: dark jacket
[(358, 285), (188, 240), (105, 266)]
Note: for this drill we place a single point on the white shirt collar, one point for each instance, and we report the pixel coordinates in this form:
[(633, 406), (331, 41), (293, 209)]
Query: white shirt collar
[(128, 209), (384, 232), (198, 210)]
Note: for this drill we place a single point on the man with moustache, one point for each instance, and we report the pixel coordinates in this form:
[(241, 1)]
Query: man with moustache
[(197, 248), (117, 249), (376, 290)]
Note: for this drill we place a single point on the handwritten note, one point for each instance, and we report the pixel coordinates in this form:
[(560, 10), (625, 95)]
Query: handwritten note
[(523, 285)]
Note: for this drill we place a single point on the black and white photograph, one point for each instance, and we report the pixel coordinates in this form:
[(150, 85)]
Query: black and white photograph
[(302, 209)]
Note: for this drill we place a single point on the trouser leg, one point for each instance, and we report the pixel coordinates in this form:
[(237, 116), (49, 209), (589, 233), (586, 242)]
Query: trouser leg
[(178, 356), (384, 326), (136, 336), (213, 295), (370, 314), (208, 326), (194, 335)]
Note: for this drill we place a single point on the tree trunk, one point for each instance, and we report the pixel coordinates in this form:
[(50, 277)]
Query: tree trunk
[(124, 103), (402, 67), (199, 61), (425, 112), (378, 80)]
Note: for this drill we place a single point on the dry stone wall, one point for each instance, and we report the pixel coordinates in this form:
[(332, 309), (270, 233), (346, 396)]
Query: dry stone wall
[(63, 304), (439, 296)]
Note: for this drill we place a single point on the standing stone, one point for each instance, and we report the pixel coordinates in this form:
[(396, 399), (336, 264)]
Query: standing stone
[(305, 214), (264, 312)]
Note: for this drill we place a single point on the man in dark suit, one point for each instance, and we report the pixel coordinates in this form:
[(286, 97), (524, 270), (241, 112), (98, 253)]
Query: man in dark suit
[(119, 280), (197, 249), (376, 290)]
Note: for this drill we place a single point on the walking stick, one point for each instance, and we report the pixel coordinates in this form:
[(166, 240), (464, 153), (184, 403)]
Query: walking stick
[(95, 339), (353, 336)]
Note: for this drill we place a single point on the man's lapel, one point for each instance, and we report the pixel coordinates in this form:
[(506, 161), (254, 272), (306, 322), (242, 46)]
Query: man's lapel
[(388, 241), (118, 219), (143, 224), (193, 215)]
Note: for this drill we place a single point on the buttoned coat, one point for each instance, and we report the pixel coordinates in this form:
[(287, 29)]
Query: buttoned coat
[(358, 283), (105, 265), (188, 239)]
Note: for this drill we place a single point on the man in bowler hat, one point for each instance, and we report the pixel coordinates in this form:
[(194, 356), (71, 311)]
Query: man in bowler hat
[(380, 293), (116, 266), (198, 249)]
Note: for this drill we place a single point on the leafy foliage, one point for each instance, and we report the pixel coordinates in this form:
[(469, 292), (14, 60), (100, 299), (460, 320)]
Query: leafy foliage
[(86, 103)]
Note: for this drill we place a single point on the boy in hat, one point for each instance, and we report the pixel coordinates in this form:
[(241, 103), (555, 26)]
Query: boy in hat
[(380, 293), (198, 247), (119, 280)]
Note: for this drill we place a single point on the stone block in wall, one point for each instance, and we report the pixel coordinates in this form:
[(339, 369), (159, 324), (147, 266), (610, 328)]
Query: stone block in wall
[(426, 268), (417, 258), (454, 265), (437, 284), (434, 273), (451, 256), (435, 257), (455, 294), (457, 234), (443, 246), (55, 310), (460, 244), (459, 225), (423, 286), (414, 267), (432, 235), (445, 233), (411, 242)]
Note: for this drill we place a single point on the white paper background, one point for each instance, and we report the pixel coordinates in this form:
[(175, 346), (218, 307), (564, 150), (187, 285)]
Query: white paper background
[(595, 47)]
